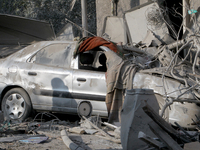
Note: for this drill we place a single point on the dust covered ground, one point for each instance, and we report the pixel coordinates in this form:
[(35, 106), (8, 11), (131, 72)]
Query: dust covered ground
[(54, 141)]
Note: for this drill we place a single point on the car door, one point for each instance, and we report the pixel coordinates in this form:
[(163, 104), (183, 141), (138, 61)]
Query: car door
[(89, 85), (51, 78)]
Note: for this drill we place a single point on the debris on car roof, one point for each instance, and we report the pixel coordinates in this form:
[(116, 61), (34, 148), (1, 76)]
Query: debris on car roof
[(90, 43)]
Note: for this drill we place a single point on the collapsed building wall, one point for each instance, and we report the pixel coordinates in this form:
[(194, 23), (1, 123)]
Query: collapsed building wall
[(122, 6)]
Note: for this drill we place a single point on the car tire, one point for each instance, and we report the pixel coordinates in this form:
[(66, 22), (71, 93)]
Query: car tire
[(16, 105)]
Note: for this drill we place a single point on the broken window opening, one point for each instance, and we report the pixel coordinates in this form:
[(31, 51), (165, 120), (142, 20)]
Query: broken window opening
[(92, 60), (56, 55), (174, 9)]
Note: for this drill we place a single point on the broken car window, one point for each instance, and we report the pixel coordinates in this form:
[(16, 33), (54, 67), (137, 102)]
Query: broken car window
[(57, 55), (95, 61)]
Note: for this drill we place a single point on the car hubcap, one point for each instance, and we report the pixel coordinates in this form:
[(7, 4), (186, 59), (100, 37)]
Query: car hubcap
[(15, 106)]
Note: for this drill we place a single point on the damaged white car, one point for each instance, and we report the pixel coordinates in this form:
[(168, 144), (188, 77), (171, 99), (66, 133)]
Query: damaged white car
[(47, 76)]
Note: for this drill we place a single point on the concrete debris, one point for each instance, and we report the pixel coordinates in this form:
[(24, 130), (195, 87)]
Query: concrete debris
[(117, 133), (77, 130), (110, 125), (114, 27), (48, 132), (107, 136), (94, 119), (134, 119), (151, 39), (90, 131)]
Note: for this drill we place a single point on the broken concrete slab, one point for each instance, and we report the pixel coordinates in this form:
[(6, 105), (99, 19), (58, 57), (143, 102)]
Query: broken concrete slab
[(144, 17), (151, 39), (93, 119), (166, 138), (90, 131), (134, 119), (164, 125), (115, 29)]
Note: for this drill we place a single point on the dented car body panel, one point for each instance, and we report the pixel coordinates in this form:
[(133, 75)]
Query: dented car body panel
[(45, 71)]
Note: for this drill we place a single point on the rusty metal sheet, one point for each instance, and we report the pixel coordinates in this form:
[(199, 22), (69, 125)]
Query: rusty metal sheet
[(20, 30)]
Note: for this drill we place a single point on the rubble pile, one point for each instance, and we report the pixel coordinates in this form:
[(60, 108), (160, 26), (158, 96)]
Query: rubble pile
[(160, 110), (47, 133), (169, 65)]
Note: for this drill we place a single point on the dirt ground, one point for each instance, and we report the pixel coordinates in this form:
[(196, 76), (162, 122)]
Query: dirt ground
[(55, 142), (88, 142)]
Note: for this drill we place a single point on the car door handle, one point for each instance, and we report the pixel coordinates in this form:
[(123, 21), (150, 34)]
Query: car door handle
[(32, 73), (81, 79)]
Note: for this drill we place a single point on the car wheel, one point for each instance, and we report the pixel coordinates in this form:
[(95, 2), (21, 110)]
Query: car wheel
[(16, 105)]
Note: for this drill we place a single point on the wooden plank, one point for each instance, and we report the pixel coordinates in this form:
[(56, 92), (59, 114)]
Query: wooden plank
[(110, 125), (77, 130), (163, 136), (163, 124)]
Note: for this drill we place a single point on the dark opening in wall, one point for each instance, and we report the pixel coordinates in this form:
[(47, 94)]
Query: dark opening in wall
[(175, 11)]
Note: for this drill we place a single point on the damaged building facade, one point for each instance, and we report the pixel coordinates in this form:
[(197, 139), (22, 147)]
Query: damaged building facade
[(119, 7), (167, 33)]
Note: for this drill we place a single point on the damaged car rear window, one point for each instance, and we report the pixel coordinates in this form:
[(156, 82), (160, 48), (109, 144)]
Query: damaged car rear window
[(54, 55)]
